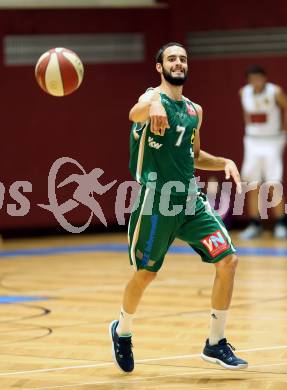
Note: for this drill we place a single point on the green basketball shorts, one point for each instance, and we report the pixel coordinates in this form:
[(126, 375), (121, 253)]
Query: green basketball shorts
[(157, 220)]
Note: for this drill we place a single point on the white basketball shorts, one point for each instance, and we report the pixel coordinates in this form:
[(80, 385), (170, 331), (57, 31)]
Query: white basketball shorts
[(263, 158)]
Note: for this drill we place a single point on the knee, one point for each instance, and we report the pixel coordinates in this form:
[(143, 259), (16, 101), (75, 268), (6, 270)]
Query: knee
[(227, 265), (144, 278)]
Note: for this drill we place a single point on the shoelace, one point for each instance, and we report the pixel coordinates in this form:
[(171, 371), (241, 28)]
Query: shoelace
[(125, 346), (228, 349)]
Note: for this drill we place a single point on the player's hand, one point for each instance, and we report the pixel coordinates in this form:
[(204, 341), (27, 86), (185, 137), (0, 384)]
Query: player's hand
[(232, 171), (158, 118)]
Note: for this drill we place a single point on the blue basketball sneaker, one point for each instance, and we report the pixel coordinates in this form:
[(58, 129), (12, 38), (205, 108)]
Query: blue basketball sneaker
[(121, 349), (222, 353)]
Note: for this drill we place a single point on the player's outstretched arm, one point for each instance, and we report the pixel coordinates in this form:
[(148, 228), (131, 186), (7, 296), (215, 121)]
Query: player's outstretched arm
[(209, 162), (149, 107)]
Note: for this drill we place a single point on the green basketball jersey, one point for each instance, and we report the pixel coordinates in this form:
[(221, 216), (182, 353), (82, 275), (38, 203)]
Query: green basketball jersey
[(170, 156)]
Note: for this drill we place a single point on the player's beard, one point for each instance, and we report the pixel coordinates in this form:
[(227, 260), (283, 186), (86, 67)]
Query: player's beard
[(174, 80)]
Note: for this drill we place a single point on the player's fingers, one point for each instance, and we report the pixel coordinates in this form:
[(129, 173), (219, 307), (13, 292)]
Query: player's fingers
[(156, 125), (161, 131), (163, 120), (236, 177), (161, 127), (239, 187), (237, 180), (165, 123), (159, 124), (152, 124), (227, 173)]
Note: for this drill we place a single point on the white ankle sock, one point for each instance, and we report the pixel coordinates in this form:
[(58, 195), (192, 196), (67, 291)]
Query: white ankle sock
[(217, 326), (125, 323)]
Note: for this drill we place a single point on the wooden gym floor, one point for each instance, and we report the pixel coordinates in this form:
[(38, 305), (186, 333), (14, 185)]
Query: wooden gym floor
[(59, 295)]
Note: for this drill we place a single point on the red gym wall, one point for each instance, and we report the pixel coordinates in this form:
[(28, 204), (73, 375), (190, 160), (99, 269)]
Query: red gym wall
[(92, 125)]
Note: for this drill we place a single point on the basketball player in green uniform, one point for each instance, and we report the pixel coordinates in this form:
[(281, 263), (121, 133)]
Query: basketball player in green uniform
[(165, 149)]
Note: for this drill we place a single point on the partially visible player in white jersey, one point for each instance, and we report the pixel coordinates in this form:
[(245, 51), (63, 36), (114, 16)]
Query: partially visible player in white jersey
[(265, 114)]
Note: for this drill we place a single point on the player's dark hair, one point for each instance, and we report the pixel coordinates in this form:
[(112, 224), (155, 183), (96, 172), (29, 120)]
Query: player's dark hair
[(255, 69), (159, 54)]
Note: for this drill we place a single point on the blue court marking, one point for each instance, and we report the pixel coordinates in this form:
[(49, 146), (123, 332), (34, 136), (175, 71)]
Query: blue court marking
[(65, 249), (241, 251), (262, 251), (20, 298)]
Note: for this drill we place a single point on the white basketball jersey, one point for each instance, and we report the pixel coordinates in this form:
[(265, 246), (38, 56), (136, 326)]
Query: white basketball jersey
[(264, 113)]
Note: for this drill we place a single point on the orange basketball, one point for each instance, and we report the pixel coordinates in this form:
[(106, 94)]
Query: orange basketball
[(59, 71)]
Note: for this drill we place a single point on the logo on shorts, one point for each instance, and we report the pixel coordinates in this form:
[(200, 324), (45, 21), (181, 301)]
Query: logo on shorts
[(215, 243)]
